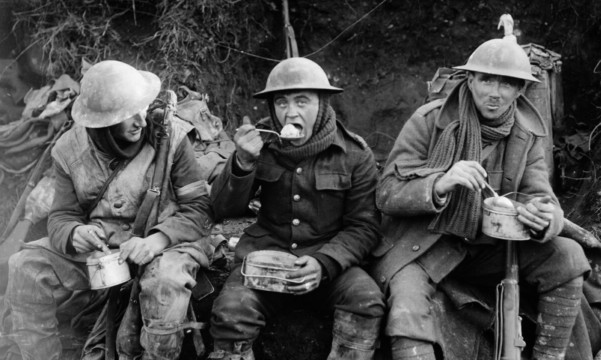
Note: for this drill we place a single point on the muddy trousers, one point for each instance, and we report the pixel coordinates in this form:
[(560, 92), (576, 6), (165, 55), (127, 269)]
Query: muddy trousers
[(557, 310), (239, 313), (411, 289), (45, 288)]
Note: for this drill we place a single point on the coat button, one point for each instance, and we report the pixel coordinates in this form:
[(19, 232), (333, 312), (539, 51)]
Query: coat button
[(382, 279), (299, 170), (415, 248), (294, 246), (296, 197), (125, 227), (295, 222), (118, 204)]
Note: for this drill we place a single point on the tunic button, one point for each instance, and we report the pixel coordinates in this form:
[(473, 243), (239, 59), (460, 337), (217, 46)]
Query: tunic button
[(118, 204), (383, 279), (299, 170), (293, 246), (296, 197), (295, 222), (125, 227), (415, 248)]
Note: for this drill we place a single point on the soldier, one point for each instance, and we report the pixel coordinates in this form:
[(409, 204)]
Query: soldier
[(317, 202), (430, 195), (104, 165)]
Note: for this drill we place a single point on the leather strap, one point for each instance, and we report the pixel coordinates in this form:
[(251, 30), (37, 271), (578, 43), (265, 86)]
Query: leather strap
[(108, 181)]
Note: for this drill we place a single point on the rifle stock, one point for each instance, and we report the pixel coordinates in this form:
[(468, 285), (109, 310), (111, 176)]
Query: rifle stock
[(509, 342)]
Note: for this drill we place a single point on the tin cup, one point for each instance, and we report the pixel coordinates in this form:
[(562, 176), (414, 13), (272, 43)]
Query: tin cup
[(105, 271), (502, 222), (267, 270)]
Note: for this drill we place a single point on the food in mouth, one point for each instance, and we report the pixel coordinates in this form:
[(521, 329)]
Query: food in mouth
[(290, 131)]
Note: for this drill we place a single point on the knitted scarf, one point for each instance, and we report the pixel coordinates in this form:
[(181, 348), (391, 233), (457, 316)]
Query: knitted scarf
[(461, 140), (324, 132)]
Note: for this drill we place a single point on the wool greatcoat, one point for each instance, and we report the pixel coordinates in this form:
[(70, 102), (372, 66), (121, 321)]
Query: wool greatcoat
[(322, 206), (408, 206)]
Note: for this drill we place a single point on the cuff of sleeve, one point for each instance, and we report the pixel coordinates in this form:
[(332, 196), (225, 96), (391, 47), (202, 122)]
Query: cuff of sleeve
[(330, 267), (65, 241), (237, 169), (165, 230), (69, 248), (439, 201)]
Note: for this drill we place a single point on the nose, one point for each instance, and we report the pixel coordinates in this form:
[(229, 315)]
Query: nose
[(494, 90), (292, 111), (141, 120)]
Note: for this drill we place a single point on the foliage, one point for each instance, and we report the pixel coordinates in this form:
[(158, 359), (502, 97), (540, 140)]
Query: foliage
[(202, 44)]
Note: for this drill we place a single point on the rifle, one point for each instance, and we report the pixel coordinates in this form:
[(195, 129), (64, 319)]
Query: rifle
[(509, 342), (142, 222)]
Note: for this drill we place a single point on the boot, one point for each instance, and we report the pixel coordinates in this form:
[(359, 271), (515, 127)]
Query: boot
[(227, 350), (354, 336), (557, 311), (409, 349)]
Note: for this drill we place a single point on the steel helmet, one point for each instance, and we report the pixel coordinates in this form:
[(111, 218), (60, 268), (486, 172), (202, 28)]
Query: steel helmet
[(296, 73), (500, 57), (112, 91)]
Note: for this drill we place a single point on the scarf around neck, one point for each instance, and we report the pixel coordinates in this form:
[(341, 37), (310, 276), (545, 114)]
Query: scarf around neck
[(324, 133), (461, 140), (106, 143)]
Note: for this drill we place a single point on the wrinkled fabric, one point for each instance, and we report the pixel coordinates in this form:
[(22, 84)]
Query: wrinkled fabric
[(45, 277), (408, 206), (46, 289), (239, 313), (323, 205), (163, 305), (411, 289)]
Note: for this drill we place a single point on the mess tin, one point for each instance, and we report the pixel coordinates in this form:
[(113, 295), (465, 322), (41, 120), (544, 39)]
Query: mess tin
[(105, 271), (500, 220), (267, 270)]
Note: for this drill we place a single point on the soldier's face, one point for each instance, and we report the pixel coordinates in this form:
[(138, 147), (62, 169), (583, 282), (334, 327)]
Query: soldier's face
[(130, 129), (493, 94), (298, 108)]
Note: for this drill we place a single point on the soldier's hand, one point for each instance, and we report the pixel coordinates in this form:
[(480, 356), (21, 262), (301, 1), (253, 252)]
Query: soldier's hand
[(469, 174), (88, 238), (141, 251), (537, 214), (308, 275), (248, 144)]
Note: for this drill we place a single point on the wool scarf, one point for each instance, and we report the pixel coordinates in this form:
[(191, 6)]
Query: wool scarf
[(324, 133), (461, 140)]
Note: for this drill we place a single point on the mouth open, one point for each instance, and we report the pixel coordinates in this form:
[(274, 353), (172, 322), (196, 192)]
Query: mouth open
[(292, 131)]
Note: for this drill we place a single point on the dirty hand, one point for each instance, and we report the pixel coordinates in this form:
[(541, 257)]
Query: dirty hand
[(248, 144), (141, 251), (309, 275), (537, 214), (469, 174), (88, 238)]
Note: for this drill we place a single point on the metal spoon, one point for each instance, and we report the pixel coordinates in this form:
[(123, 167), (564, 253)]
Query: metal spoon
[(488, 187), (279, 135)]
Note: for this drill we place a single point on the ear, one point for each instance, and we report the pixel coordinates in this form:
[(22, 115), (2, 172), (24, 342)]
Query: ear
[(470, 80)]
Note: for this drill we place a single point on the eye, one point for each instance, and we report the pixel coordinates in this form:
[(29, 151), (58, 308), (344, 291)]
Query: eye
[(281, 103), (302, 102)]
